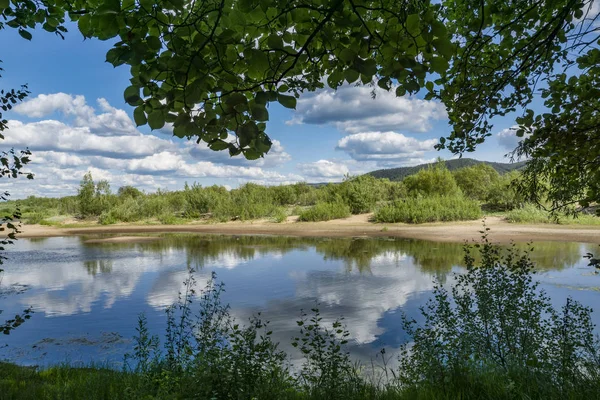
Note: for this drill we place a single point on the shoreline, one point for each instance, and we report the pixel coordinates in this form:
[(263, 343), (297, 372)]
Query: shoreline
[(500, 231)]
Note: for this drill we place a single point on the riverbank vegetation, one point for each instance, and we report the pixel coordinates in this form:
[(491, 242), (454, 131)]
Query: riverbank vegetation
[(430, 195), (492, 334)]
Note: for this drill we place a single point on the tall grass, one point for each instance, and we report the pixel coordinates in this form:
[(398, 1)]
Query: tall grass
[(418, 210), (325, 212), (531, 214)]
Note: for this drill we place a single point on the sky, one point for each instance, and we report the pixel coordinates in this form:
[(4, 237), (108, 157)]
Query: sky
[(76, 120)]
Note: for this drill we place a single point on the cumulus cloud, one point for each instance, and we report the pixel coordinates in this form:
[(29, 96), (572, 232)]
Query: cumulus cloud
[(209, 169), (508, 138), (353, 109), (105, 142), (110, 122), (324, 169), (385, 148), (51, 135)]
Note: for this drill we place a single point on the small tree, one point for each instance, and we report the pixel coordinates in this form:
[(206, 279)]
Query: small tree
[(435, 180), (93, 198), (476, 181)]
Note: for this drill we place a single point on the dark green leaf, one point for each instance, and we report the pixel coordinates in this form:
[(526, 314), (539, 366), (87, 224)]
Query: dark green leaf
[(287, 101)]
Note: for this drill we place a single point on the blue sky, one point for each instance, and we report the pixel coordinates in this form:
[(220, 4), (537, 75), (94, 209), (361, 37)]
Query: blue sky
[(76, 120)]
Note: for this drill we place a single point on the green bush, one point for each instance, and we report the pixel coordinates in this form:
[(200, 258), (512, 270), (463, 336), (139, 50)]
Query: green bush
[(531, 214), (503, 194), (476, 181), (325, 212), (429, 209), (279, 215), (435, 180), (496, 335)]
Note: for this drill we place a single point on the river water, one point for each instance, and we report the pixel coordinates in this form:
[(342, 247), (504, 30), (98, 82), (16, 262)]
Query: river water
[(87, 295)]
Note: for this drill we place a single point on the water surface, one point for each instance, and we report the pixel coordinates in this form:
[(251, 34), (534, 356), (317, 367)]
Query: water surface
[(87, 296)]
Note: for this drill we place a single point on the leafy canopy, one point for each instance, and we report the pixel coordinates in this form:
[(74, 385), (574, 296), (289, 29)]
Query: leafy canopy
[(211, 68)]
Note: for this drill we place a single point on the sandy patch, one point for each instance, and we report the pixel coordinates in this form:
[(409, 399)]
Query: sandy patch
[(358, 225)]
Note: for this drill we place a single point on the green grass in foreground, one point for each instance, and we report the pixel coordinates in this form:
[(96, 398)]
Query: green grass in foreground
[(492, 335)]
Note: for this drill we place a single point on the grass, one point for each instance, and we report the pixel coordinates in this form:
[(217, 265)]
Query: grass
[(530, 214), (325, 212), (429, 209)]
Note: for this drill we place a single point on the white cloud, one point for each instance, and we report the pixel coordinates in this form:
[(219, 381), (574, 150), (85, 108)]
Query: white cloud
[(324, 169), (508, 138), (109, 123), (56, 136), (105, 142), (156, 163), (57, 159), (385, 148), (208, 169), (353, 109)]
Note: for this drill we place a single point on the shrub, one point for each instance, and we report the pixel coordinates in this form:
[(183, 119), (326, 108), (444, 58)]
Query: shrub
[(532, 214), (325, 212), (503, 194), (476, 181), (429, 209), (279, 215), (495, 335), (435, 180), (361, 193)]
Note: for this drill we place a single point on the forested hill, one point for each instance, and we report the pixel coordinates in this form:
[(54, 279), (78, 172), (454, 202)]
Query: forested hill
[(397, 174)]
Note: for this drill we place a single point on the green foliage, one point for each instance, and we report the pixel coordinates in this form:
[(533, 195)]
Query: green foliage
[(496, 335), (279, 215), (436, 180), (129, 191), (361, 193), (429, 209), (93, 198), (503, 194), (533, 214), (476, 181), (325, 212), (213, 68)]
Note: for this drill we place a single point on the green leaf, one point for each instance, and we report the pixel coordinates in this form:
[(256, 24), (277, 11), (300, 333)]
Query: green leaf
[(85, 25), (25, 34), (246, 133), (156, 119), (413, 24), (154, 42), (262, 98), (4, 4), (251, 154), (218, 145), (132, 95), (139, 116), (351, 75), (347, 55), (259, 112), (439, 65), (287, 101), (274, 41)]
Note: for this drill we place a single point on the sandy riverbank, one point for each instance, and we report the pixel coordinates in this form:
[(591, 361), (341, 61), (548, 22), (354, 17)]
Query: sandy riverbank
[(358, 225)]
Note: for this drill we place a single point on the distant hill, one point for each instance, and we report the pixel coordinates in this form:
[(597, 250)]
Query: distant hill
[(397, 174)]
